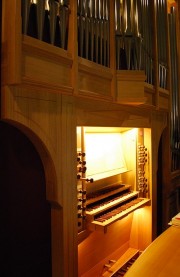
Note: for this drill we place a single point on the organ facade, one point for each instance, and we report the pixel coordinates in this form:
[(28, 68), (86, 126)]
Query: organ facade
[(94, 86)]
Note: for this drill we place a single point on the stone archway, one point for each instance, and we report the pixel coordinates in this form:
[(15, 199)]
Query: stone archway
[(25, 212)]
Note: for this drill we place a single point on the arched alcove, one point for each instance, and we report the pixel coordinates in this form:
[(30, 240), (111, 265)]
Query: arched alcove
[(25, 211)]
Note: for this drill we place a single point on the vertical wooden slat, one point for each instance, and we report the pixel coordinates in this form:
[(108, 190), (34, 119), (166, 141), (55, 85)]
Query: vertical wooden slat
[(11, 42), (69, 184)]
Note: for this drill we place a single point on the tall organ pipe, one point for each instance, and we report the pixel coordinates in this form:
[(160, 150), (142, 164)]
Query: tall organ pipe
[(46, 20)]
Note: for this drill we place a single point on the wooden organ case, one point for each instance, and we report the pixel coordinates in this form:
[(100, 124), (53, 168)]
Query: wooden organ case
[(52, 82), (113, 198)]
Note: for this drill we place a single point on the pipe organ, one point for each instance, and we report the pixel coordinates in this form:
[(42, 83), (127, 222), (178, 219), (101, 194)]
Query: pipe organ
[(48, 21), (113, 184), (134, 33), (94, 84)]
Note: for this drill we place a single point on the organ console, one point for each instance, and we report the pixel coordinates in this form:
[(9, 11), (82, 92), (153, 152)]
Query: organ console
[(107, 207), (112, 189)]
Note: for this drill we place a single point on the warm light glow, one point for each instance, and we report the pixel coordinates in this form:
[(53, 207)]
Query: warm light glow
[(171, 3), (138, 212), (78, 132), (109, 150), (104, 155)]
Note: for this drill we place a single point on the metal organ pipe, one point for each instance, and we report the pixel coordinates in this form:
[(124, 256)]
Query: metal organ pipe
[(46, 20), (161, 14), (93, 30), (134, 36), (175, 124)]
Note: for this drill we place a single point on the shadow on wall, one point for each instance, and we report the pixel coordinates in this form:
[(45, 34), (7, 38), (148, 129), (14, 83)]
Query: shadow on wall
[(25, 215)]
